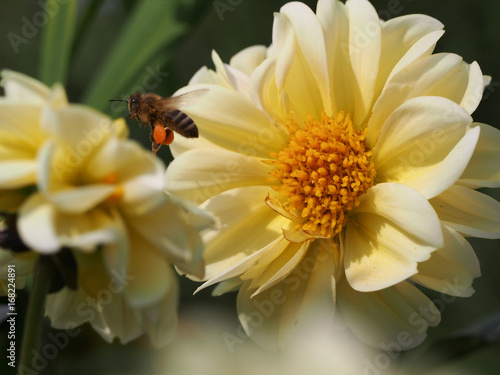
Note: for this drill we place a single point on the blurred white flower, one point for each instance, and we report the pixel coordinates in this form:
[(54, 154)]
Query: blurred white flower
[(318, 156), (101, 197)]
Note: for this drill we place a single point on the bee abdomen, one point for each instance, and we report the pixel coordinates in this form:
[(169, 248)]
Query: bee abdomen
[(182, 124)]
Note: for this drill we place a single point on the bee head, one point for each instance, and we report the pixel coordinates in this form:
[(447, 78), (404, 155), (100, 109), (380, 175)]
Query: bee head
[(133, 104)]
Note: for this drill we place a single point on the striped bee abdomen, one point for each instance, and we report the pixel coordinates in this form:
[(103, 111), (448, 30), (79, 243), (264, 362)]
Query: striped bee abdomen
[(181, 123)]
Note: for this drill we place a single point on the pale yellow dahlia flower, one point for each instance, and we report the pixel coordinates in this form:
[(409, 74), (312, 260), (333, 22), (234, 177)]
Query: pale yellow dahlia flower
[(324, 159), (100, 210)]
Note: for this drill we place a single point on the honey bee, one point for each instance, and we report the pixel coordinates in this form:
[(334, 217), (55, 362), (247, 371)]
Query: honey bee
[(163, 115)]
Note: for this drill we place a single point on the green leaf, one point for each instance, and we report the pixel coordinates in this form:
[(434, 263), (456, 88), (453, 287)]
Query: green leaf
[(57, 39), (153, 25)]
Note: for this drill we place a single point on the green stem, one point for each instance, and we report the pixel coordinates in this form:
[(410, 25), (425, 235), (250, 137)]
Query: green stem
[(34, 316), (90, 11)]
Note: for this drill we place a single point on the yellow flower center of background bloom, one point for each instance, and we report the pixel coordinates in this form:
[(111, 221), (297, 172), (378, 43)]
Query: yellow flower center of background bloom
[(323, 171), (115, 197)]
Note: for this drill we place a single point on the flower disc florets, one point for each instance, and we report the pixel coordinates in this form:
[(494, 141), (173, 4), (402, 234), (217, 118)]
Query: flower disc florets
[(323, 170)]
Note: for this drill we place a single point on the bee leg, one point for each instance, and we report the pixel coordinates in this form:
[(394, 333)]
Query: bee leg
[(154, 146)]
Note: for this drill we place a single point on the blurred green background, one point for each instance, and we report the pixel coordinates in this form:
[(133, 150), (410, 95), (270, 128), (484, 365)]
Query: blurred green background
[(123, 45)]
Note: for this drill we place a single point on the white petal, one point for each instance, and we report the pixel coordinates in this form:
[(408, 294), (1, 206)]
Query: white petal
[(405, 208), (17, 173), (81, 128), (400, 314), (279, 268), (117, 319), (483, 169), (68, 309), (226, 286), (203, 75), (67, 198), (160, 321), (378, 254), (239, 232), (20, 126), (404, 40), (281, 313), (150, 273), (425, 144), (36, 225), (276, 247), (232, 121), (248, 59), (441, 75), (309, 38), (168, 226), (475, 88), (469, 212), (182, 144), (21, 87), (451, 269), (364, 52), (200, 174), (335, 22), (265, 94)]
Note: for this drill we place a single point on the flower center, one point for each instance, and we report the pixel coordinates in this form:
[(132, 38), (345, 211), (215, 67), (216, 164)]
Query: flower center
[(323, 171), (115, 197)]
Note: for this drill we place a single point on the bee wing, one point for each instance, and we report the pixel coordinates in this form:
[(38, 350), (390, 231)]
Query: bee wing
[(174, 118), (182, 100)]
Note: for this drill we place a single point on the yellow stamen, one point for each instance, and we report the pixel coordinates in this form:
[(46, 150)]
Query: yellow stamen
[(323, 171)]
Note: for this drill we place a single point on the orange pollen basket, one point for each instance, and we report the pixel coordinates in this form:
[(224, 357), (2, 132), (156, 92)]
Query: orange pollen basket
[(163, 136), (323, 171)]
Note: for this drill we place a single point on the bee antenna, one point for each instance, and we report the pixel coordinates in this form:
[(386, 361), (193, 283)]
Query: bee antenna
[(118, 100)]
